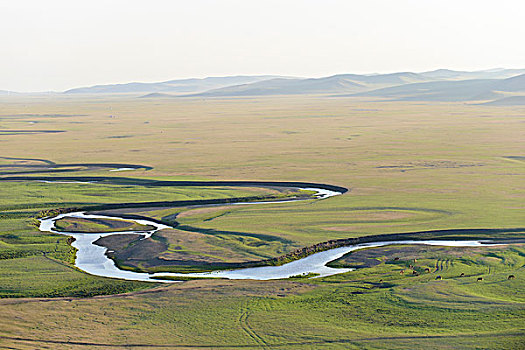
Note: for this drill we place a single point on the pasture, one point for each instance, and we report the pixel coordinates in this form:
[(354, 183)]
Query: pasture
[(410, 167)]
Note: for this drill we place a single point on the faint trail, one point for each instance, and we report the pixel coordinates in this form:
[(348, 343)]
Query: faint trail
[(233, 346), (245, 326), (439, 265)]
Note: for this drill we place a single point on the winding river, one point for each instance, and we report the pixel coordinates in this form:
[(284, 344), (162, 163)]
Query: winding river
[(92, 258)]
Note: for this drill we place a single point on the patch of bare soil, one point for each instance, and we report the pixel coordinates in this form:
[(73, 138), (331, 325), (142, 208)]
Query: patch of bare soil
[(131, 247)]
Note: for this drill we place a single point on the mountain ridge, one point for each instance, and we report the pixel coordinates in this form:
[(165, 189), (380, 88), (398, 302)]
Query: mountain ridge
[(450, 90), (436, 85), (177, 85)]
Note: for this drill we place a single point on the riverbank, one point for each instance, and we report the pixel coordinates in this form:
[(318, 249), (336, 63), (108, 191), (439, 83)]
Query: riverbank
[(94, 259)]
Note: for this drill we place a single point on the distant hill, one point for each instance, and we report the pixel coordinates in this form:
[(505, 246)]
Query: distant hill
[(287, 87), (386, 79), (514, 84), (6, 92), (157, 95), (447, 74), (173, 86), (460, 90), (507, 101), (336, 84), (440, 85), (436, 85)]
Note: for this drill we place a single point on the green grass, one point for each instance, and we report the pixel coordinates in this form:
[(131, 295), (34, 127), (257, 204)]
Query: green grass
[(352, 310), (43, 276), (72, 224), (21, 202), (410, 167)]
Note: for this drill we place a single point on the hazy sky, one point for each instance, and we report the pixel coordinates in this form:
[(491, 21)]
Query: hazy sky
[(56, 45)]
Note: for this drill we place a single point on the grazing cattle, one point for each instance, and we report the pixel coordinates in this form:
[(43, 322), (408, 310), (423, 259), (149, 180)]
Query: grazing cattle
[(402, 271), (427, 270), (511, 277), (396, 258), (439, 278), (380, 281), (415, 260), (415, 273), (411, 266), (462, 275), (480, 279)]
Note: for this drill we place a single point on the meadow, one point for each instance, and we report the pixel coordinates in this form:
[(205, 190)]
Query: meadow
[(409, 167), (100, 225)]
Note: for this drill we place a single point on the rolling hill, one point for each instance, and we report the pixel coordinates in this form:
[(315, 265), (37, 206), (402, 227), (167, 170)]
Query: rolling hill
[(436, 85), (336, 84), (507, 101), (440, 85), (287, 87), (447, 74), (172, 86), (460, 90), (6, 92)]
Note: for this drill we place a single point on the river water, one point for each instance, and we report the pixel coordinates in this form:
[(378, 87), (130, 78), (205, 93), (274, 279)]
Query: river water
[(92, 258)]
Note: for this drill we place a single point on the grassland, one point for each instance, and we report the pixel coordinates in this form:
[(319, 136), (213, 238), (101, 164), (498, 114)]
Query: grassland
[(368, 308), (20, 239), (72, 224), (410, 167)]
